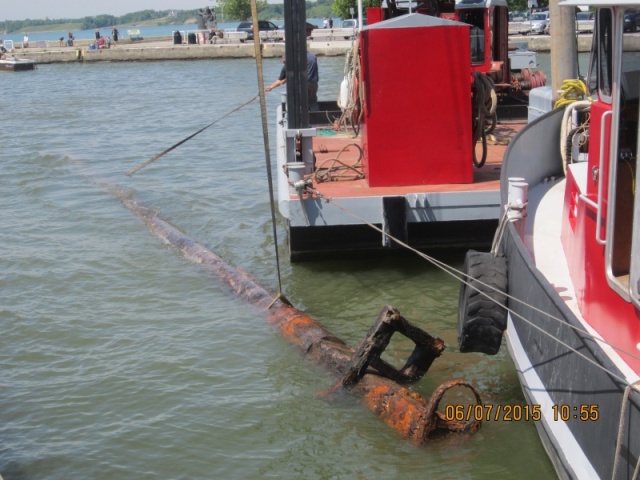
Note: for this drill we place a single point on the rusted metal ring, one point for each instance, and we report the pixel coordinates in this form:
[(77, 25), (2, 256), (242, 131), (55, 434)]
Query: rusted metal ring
[(441, 420)]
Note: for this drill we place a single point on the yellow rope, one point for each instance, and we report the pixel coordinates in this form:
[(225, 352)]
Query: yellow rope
[(572, 91)]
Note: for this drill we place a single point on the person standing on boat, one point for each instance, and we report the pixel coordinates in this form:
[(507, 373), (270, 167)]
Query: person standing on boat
[(313, 78)]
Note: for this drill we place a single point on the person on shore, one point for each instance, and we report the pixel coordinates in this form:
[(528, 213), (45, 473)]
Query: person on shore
[(70, 40), (25, 41), (213, 35), (114, 35), (325, 23), (97, 34), (312, 80), (330, 22)]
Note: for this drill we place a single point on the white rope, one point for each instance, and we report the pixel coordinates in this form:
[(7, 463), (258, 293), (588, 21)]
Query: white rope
[(463, 277), (497, 238), (621, 425), (352, 105), (566, 125)]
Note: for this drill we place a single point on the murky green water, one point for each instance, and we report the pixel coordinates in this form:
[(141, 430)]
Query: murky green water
[(120, 359)]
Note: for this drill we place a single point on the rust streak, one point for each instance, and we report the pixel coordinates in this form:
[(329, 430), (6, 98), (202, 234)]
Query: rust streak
[(408, 413)]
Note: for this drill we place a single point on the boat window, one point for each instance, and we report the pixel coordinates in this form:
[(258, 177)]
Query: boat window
[(475, 18), (628, 171), (604, 47), (625, 171), (634, 278), (499, 28), (592, 74)]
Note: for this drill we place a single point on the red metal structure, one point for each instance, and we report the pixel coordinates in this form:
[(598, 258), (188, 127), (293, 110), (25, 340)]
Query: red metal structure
[(422, 101), (489, 38), (489, 42), (409, 110)]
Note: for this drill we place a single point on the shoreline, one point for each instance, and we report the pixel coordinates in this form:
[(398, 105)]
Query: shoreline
[(162, 48)]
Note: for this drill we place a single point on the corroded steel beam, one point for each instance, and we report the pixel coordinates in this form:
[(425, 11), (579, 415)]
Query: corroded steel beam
[(405, 411)]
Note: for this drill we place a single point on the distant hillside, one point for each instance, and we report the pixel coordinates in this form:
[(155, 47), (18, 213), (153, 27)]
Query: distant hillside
[(148, 18), (144, 17), (56, 27)]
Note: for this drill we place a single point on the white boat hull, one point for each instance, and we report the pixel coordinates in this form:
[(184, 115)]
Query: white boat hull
[(578, 382)]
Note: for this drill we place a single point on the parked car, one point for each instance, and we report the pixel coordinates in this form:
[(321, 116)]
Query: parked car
[(585, 22), (631, 21), (263, 25), (540, 23), (353, 23)]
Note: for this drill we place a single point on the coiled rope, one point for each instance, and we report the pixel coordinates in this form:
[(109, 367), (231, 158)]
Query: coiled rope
[(336, 170), (484, 107), (352, 105), (573, 97), (572, 90)]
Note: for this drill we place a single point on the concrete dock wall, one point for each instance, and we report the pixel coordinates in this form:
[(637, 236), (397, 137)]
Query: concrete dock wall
[(163, 49), (156, 49)]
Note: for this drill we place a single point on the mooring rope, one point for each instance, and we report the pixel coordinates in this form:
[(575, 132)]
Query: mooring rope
[(621, 425), (353, 108), (164, 152), (463, 277), (267, 154)]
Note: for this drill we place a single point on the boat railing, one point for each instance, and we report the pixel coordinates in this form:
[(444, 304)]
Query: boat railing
[(598, 205)]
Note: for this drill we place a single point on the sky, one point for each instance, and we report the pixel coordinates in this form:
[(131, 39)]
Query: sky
[(41, 9)]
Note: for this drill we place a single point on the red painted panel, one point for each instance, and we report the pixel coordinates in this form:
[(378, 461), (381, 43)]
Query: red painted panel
[(375, 15), (598, 109), (417, 125), (615, 319), (573, 236)]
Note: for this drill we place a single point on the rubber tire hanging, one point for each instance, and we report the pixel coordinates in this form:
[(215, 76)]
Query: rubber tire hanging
[(482, 314)]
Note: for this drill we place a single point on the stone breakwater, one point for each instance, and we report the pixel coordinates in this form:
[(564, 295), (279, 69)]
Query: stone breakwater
[(157, 49)]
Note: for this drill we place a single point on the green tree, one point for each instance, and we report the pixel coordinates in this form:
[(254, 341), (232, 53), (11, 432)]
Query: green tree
[(341, 8), (240, 9)]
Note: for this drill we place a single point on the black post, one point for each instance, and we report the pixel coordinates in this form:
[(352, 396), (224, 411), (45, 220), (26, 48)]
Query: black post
[(295, 22)]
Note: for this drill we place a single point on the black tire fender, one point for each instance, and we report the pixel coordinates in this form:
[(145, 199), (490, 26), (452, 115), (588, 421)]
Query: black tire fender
[(482, 314)]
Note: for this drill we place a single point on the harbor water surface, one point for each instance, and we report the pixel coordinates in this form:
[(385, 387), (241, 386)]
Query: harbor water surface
[(121, 359)]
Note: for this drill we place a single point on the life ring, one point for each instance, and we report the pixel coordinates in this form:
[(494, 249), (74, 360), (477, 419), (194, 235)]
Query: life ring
[(482, 314)]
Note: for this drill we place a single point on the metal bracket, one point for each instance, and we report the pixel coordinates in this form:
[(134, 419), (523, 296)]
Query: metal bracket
[(299, 147), (389, 321)]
